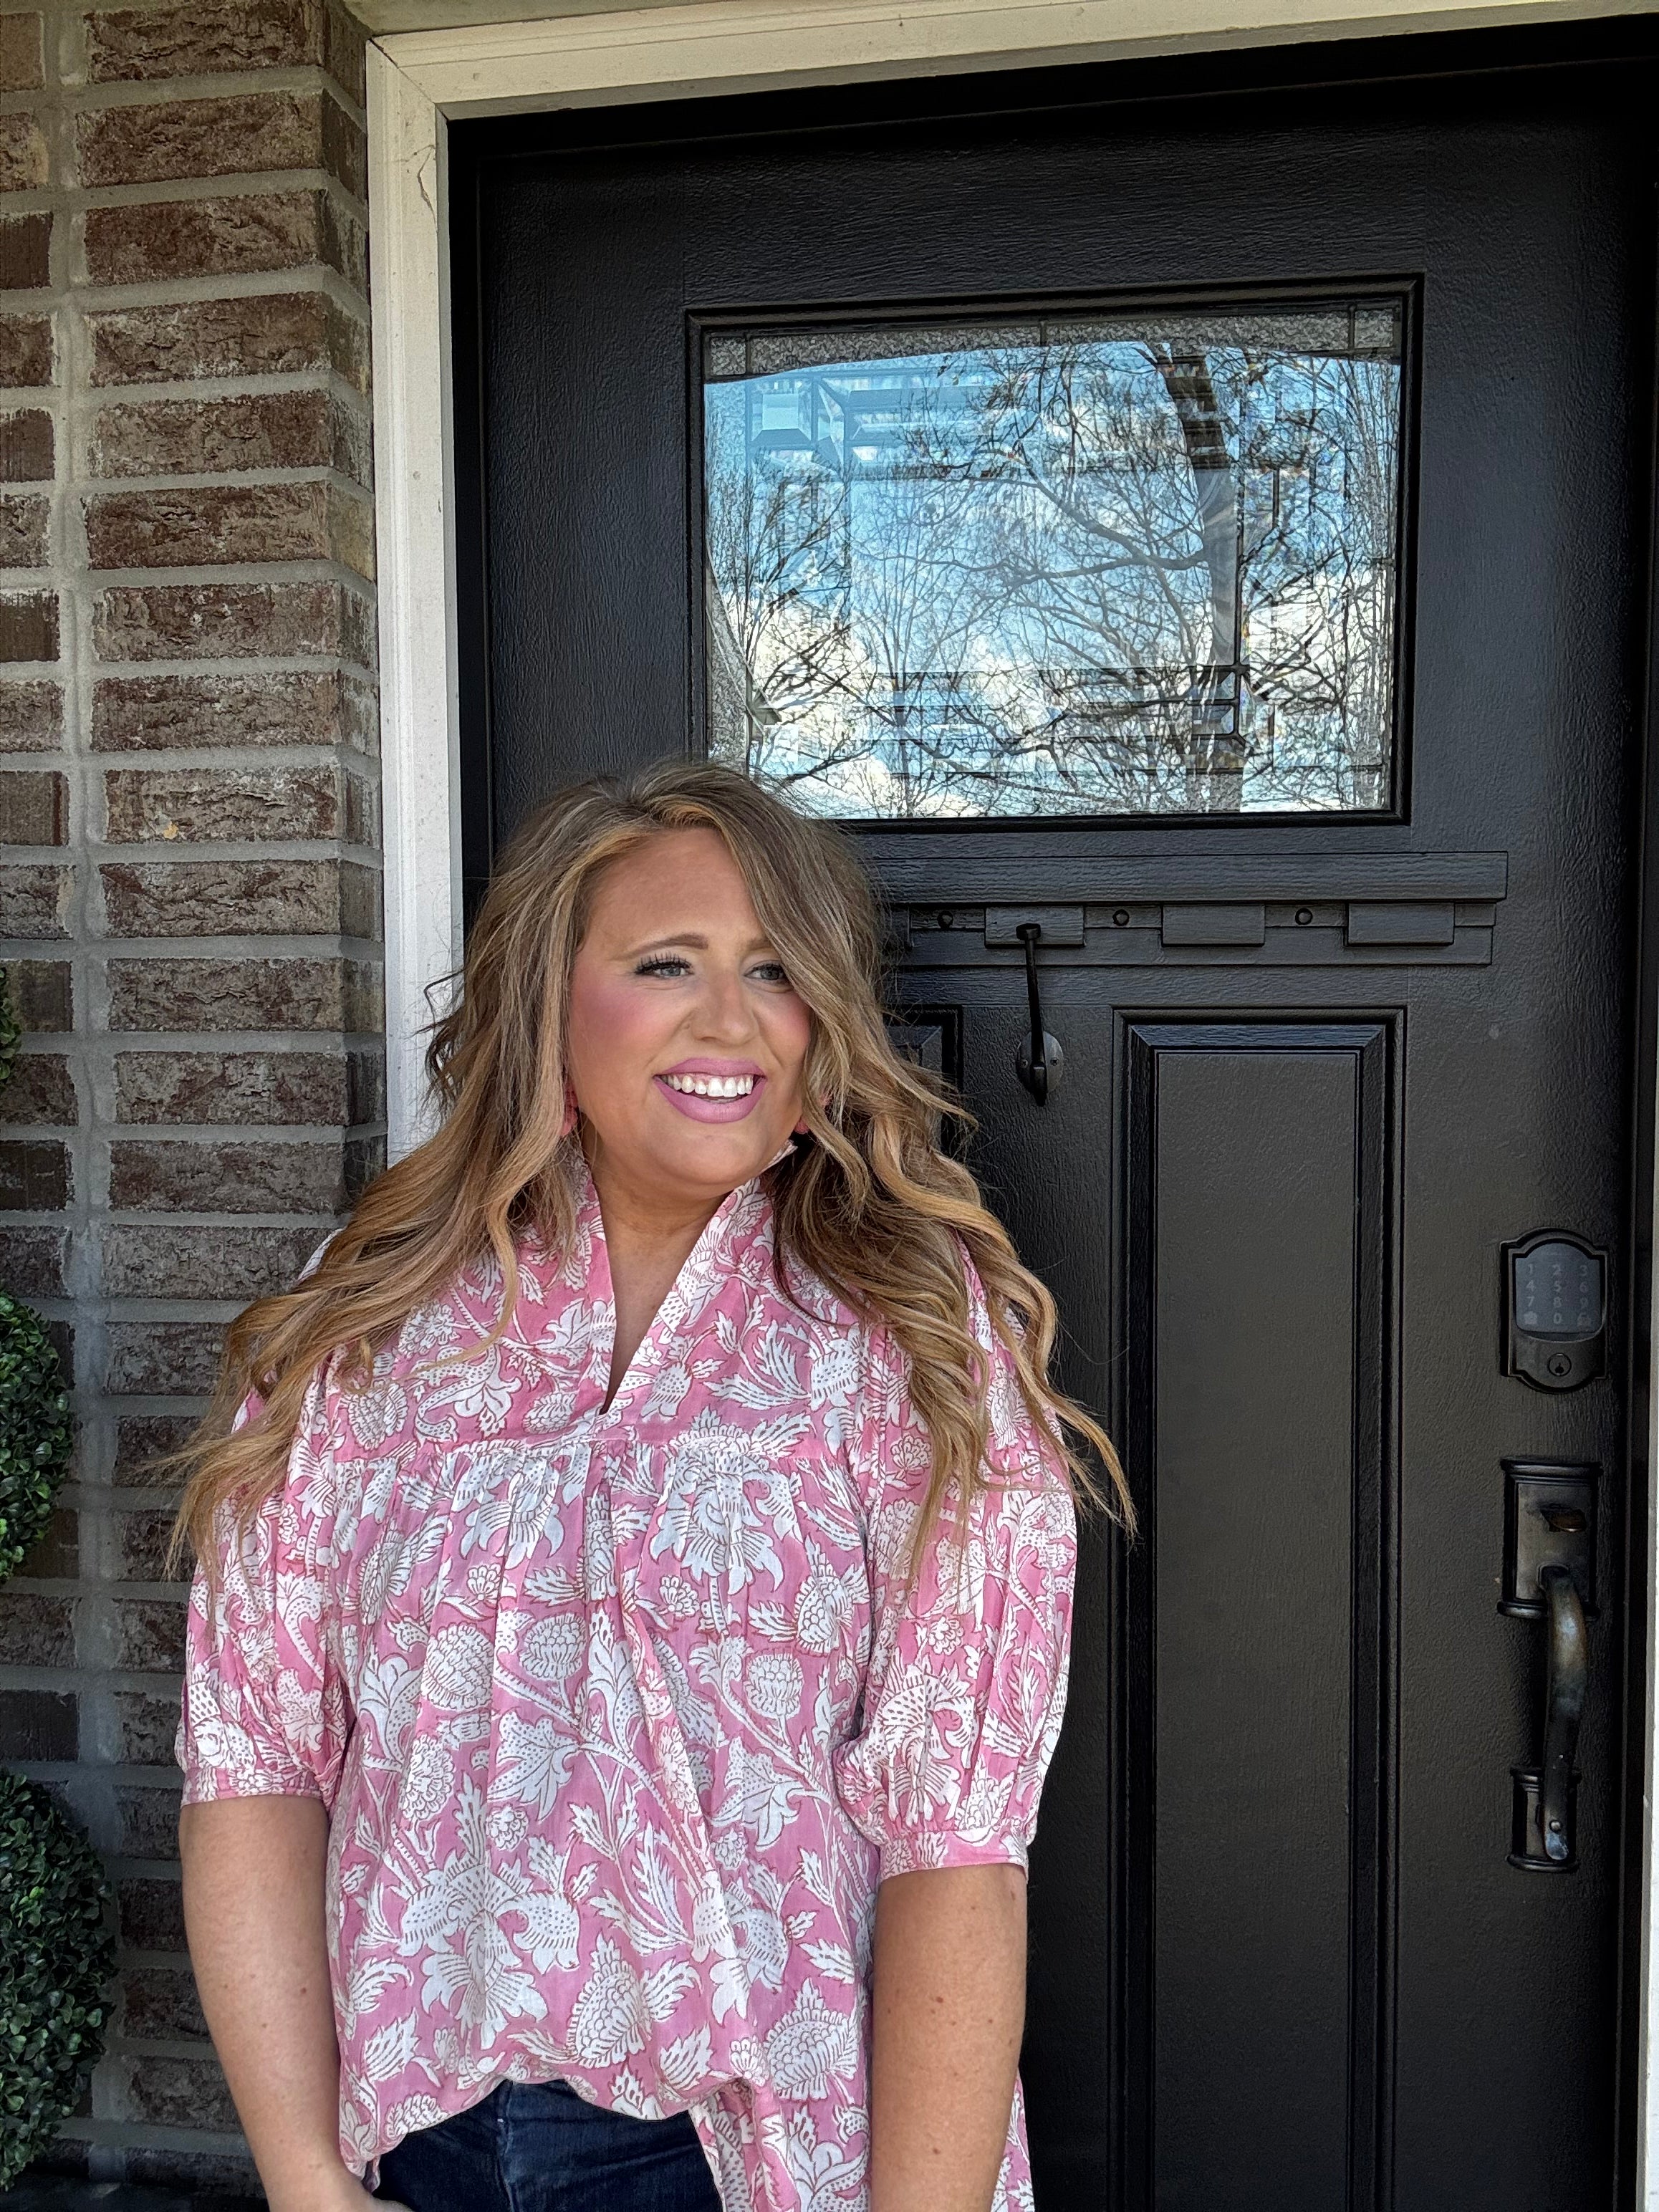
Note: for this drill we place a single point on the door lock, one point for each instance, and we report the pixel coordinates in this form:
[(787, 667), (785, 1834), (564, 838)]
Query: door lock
[(1555, 1310), (1549, 1575)]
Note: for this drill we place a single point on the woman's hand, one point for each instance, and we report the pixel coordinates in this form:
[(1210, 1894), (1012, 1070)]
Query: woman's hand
[(254, 1913), (949, 2010)]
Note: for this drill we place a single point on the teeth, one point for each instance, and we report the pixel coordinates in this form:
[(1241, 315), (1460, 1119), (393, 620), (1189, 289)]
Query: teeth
[(712, 1086)]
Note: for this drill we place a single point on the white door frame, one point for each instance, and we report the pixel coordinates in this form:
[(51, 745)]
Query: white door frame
[(417, 82)]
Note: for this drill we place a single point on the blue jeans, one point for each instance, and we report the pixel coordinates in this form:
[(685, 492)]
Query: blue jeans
[(540, 2147)]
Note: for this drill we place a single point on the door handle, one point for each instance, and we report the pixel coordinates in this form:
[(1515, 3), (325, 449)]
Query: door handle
[(1549, 1576), (1039, 1062), (1566, 1681)]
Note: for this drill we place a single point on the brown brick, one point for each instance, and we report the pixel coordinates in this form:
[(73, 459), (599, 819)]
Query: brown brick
[(33, 807), (147, 1722), (201, 437), (145, 1260), (25, 343), (142, 1541), (242, 1089), (25, 518), (42, 995), (35, 1175), (36, 1631), (208, 523), (244, 994), (161, 2005), (161, 240), (232, 898), (143, 1441), (24, 162), (162, 1358), (151, 1634), (56, 1552), (28, 626), (220, 802), (31, 713), (152, 1910), (40, 1092), (290, 706), (344, 153), (221, 36), (201, 622), (37, 1724), (173, 1177), (27, 454), (214, 2180), (25, 253), (227, 137), (181, 2092), (146, 1820), (362, 813), (21, 58), (31, 1263), (34, 901), (270, 334)]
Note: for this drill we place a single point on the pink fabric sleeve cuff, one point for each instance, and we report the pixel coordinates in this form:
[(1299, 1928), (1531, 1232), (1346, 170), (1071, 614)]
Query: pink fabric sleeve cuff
[(937, 1848)]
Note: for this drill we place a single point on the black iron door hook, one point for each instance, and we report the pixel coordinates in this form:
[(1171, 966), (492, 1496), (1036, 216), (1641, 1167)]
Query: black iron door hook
[(1039, 1062)]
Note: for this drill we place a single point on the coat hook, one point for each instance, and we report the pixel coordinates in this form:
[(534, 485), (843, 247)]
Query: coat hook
[(1040, 1062)]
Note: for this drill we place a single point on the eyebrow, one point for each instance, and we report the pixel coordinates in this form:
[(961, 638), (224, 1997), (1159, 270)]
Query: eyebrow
[(697, 943)]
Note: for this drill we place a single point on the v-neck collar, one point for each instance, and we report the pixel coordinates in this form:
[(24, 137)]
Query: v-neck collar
[(742, 1220)]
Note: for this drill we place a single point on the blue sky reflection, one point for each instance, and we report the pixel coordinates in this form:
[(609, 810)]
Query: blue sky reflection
[(1088, 565)]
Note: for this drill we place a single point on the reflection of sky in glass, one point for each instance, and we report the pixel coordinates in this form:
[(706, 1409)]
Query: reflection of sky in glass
[(1091, 566)]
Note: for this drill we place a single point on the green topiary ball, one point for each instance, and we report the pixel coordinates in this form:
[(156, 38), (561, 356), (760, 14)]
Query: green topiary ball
[(55, 1960), (35, 1435)]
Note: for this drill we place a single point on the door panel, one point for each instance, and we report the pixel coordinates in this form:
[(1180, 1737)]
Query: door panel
[(1261, 1252), (1318, 1072)]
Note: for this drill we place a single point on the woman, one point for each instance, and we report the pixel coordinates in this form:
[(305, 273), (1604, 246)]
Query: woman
[(632, 1618)]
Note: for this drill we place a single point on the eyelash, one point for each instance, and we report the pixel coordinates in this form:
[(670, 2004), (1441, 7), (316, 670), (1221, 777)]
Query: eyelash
[(669, 964)]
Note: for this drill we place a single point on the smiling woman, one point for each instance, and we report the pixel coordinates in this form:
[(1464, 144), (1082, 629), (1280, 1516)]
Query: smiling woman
[(638, 1558)]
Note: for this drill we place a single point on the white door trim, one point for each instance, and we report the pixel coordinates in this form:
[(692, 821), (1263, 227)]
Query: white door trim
[(418, 80), (728, 46), (414, 503)]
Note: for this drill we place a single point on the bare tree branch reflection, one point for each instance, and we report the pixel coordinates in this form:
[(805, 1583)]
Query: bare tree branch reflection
[(1118, 572)]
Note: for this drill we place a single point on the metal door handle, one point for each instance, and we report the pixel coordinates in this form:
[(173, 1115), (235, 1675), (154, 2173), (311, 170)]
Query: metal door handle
[(1566, 1682), (1039, 1062)]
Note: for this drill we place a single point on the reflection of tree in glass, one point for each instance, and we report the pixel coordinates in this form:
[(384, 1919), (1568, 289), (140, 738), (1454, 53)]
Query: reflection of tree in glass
[(1099, 575)]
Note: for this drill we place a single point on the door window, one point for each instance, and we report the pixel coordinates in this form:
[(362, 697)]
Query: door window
[(1127, 563)]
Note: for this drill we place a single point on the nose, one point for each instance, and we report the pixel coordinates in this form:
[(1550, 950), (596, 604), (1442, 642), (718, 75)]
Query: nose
[(724, 1015)]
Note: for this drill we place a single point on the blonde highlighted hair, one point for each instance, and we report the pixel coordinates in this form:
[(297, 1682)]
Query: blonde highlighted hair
[(870, 1204)]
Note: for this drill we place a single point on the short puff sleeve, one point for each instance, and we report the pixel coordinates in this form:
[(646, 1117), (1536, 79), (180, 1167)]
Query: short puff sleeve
[(265, 1709), (966, 1683)]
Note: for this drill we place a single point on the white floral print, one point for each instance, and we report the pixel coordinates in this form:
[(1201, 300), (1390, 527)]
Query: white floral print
[(621, 1714)]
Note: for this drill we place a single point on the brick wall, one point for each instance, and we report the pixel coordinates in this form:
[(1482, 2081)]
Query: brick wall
[(189, 883)]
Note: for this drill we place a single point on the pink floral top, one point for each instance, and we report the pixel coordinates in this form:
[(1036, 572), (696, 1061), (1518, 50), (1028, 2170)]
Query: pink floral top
[(621, 1713)]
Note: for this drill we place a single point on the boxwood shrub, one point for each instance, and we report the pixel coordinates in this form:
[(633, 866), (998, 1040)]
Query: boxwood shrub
[(35, 1430), (56, 1962)]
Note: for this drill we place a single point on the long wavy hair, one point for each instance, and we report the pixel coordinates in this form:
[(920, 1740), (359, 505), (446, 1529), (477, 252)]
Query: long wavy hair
[(870, 1203)]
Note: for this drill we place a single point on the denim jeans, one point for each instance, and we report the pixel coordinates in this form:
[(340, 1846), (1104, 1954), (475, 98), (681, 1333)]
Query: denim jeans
[(540, 2147)]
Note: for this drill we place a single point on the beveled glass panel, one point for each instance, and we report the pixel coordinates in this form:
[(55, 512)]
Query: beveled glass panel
[(1092, 563)]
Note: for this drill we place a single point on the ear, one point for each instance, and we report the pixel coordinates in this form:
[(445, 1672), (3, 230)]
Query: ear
[(569, 1121), (804, 1127)]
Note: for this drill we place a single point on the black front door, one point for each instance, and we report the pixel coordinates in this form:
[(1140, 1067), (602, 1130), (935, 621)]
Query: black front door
[(1200, 517)]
